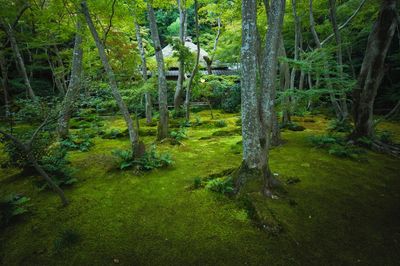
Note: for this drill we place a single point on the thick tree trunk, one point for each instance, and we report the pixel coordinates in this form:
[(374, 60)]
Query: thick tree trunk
[(372, 69), (339, 57), (14, 46), (181, 73), (250, 120), (144, 72), (275, 22), (74, 83), (196, 65), (133, 134), (162, 81)]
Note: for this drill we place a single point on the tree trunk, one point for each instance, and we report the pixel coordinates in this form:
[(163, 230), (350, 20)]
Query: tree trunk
[(372, 69), (275, 23), (4, 84), (285, 83), (339, 56), (332, 97), (56, 78), (74, 83), (162, 81), (133, 134), (196, 65), (14, 46), (181, 73), (144, 72)]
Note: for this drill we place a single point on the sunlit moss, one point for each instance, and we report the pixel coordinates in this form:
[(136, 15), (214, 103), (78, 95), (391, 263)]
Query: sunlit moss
[(342, 212)]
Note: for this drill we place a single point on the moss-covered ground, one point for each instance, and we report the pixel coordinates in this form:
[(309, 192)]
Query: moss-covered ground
[(339, 212)]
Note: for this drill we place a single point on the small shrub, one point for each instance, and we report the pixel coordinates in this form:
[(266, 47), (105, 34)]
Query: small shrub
[(386, 137), (323, 141), (12, 206), (57, 167), (221, 185), (343, 126), (293, 126), (345, 151), (178, 114), (74, 142), (150, 160), (65, 239), (178, 135), (197, 121), (197, 183), (220, 123)]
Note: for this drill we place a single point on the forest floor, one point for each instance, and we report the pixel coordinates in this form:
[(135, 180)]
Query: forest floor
[(334, 211)]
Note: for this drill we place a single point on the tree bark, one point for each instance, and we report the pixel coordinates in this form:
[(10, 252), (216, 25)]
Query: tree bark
[(147, 94), (339, 57), (133, 134), (4, 83), (317, 41), (74, 83), (285, 83), (181, 73), (14, 46), (275, 23), (196, 65), (372, 69), (162, 81)]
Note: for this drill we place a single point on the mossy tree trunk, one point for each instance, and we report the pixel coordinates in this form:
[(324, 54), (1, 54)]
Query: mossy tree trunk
[(147, 94), (137, 148), (257, 110), (20, 61), (284, 82), (372, 69), (4, 83), (74, 83), (162, 132)]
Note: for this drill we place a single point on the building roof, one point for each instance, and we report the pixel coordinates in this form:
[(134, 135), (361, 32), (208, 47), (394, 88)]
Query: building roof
[(168, 51)]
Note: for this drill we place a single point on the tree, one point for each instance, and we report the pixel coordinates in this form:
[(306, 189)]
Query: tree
[(162, 81), (257, 110), (181, 73), (74, 83), (196, 64), (137, 147), (9, 29), (373, 69)]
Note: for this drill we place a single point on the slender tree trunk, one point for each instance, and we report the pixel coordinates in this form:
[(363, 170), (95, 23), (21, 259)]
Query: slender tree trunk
[(372, 69), (74, 83), (62, 67), (4, 83), (133, 134), (10, 34), (56, 78), (339, 56), (181, 73), (208, 60), (332, 97), (297, 44), (285, 83), (196, 65), (144, 72), (162, 81)]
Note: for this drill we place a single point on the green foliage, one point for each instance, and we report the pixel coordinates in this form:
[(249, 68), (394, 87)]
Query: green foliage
[(197, 183), (57, 167), (114, 133), (221, 185), (336, 146), (12, 206), (220, 123), (149, 161), (75, 142), (386, 137), (337, 125), (178, 135), (65, 239)]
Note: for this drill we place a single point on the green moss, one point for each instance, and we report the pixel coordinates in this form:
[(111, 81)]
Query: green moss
[(343, 212)]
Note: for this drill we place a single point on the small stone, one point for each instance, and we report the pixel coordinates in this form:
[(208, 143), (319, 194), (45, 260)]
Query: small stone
[(116, 261)]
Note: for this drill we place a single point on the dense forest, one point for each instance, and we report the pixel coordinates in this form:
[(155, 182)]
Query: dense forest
[(200, 132)]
